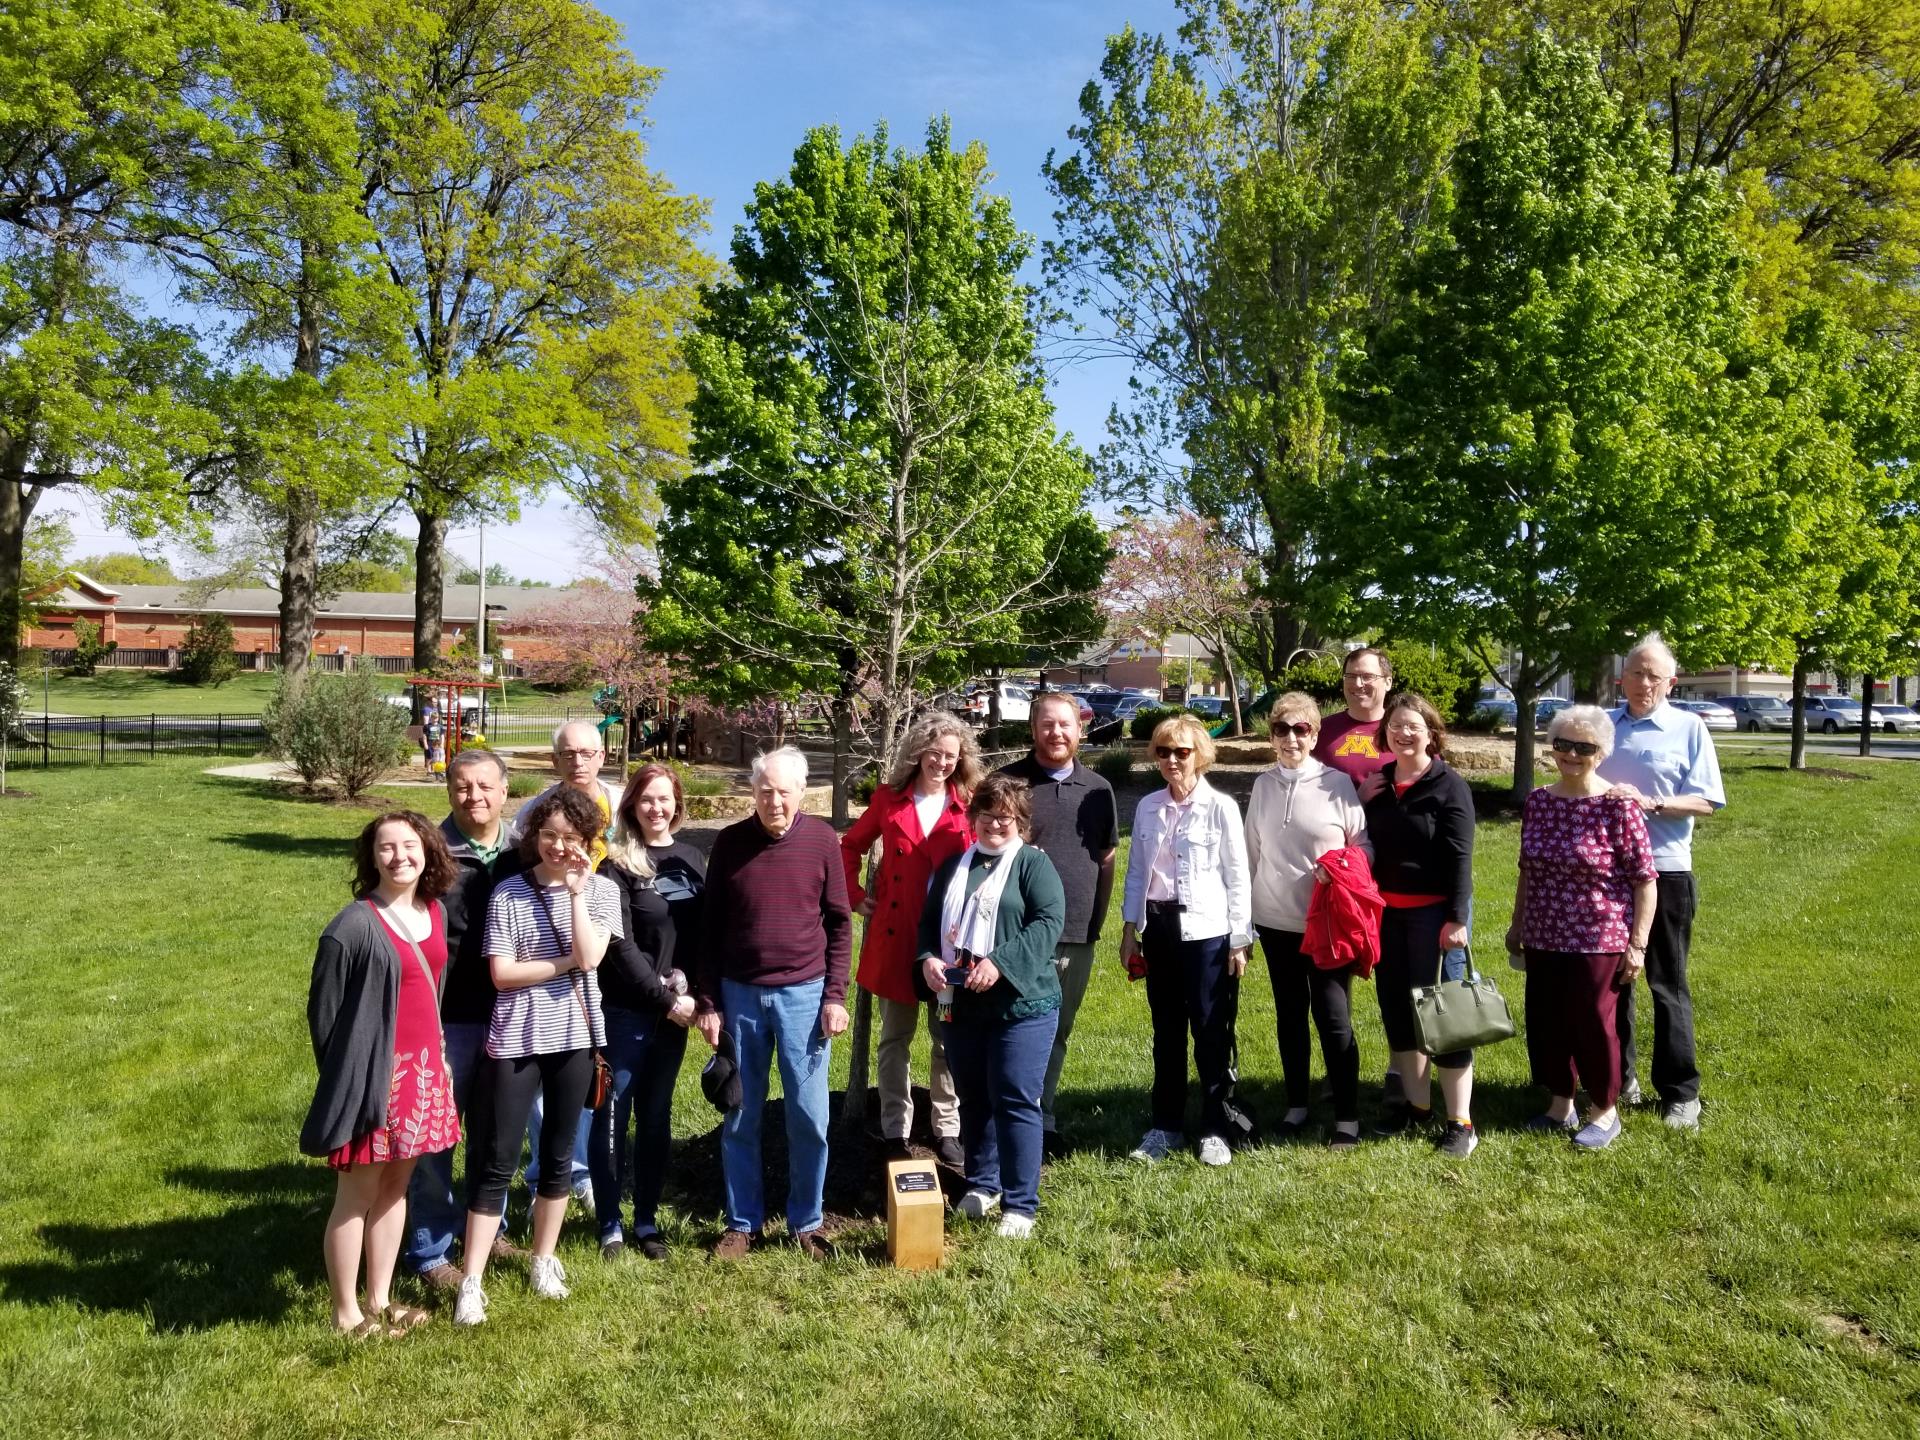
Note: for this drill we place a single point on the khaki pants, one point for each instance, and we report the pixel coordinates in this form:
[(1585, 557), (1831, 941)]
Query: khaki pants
[(1074, 965), (897, 1023)]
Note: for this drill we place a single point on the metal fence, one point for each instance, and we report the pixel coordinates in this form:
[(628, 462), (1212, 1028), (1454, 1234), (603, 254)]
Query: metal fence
[(99, 739)]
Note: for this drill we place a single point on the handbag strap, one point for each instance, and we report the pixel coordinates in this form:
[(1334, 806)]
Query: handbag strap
[(411, 943), (1440, 968)]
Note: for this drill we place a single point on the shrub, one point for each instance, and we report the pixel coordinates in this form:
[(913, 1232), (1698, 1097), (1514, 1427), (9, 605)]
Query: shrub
[(1114, 764), (1142, 725), (13, 704), (206, 655), (1315, 675), (861, 787), (1437, 673), (338, 728), (88, 648), (692, 782), (524, 784)]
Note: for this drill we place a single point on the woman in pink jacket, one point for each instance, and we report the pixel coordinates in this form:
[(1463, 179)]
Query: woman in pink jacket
[(920, 819)]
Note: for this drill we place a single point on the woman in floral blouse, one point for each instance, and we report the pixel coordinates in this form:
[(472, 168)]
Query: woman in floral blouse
[(1581, 915)]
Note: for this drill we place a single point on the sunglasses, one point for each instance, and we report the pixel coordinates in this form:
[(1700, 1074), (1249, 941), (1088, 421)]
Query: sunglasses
[(1172, 752), (1298, 727), (1582, 748)]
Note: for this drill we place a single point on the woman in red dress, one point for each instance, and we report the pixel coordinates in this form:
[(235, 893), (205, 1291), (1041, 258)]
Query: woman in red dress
[(385, 1096), (920, 819)]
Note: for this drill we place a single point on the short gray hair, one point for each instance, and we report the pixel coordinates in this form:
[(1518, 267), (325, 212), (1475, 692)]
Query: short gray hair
[(1654, 643), (560, 731), (1590, 718), (786, 755), (475, 755)]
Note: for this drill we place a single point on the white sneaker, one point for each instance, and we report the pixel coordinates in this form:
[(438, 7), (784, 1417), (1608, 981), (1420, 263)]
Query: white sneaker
[(549, 1279), (978, 1204), (1158, 1144), (470, 1306), (1015, 1227), (1214, 1151)]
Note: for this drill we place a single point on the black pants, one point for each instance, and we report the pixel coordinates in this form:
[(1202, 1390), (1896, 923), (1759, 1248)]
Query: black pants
[(1675, 1075), (1410, 956), (502, 1100), (1300, 988), (1188, 987)]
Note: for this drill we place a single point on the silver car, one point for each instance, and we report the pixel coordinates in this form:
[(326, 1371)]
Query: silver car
[(1754, 713), (1831, 714), (1716, 715)]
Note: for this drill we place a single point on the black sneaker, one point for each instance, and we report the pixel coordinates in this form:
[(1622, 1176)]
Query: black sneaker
[(1457, 1141), (1285, 1131), (652, 1246), (612, 1249), (1399, 1119), (1343, 1140), (895, 1150)]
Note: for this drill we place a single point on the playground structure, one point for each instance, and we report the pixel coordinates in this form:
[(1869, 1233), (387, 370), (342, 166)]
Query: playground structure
[(441, 702)]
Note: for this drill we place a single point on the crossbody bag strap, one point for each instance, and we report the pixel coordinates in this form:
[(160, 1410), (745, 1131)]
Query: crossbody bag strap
[(413, 945), (580, 986)]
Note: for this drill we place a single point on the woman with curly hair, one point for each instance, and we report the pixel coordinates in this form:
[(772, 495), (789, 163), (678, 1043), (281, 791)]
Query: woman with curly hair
[(385, 1095), (548, 928), (920, 819)]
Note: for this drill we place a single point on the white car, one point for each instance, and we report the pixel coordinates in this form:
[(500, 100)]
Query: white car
[(1717, 717), (1016, 702), (1896, 719), (469, 706)]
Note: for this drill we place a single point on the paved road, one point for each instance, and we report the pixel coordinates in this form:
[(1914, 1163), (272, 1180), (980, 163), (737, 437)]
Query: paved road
[(1894, 747)]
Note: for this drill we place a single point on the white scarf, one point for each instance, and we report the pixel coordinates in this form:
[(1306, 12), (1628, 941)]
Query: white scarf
[(967, 921)]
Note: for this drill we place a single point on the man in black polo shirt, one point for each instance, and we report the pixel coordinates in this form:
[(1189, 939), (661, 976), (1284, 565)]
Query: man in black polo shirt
[(1076, 824)]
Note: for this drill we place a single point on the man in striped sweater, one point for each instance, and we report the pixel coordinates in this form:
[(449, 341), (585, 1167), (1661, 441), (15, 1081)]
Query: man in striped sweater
[(776, 947)]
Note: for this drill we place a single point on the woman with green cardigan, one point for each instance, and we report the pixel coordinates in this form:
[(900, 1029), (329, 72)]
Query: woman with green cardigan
[(987, 935)]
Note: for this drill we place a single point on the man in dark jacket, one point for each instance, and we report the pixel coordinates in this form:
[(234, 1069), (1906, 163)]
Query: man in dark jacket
[(476, 791)]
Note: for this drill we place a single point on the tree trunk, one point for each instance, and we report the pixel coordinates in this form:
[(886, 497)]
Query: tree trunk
[(1224, 655), (1797, 749), (842, 750), (1866, 714), (853, 1111), (1526, 694), (429, 590), (15, 510), (299, 585)]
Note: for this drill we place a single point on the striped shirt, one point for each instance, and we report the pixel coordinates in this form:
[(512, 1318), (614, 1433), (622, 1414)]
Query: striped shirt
[(529, 922)]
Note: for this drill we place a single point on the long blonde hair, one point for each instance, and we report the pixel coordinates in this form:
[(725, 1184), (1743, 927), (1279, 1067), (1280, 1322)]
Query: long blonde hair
[(932, 726)]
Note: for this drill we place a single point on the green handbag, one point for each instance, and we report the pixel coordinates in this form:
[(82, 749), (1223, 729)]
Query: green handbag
[(1464, 1014)]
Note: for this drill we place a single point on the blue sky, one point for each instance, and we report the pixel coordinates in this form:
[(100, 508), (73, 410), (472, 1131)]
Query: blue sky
[(743, 81)]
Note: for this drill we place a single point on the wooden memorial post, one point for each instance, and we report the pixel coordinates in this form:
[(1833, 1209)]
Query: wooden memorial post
[(916, 1216)]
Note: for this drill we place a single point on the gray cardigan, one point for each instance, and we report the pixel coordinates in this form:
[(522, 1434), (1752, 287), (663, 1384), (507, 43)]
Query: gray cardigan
[(353, 1002)]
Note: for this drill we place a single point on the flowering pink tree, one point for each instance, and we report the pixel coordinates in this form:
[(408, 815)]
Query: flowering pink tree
[(587, 635), (1178, 575)]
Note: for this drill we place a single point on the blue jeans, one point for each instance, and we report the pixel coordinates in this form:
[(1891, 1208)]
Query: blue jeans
[(434, 1217), (999, 1068), (644, 1051), (580, 1173), (769, 1022)]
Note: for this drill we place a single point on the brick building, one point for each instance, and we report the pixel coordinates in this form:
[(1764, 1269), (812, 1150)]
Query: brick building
[(148, 622)]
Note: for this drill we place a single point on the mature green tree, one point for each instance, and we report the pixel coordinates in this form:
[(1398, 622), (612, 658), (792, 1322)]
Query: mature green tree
[(1559, 449), (548, 272), (1237, 207), (126, 134), (123, 567), (883, 501)]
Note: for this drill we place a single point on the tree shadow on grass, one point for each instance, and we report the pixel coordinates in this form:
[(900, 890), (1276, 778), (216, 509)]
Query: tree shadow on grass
[(268, 842), (246, 1263)]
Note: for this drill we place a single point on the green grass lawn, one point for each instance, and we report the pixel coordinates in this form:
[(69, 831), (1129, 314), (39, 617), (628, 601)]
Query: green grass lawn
[(145, 692), (160, 1236)]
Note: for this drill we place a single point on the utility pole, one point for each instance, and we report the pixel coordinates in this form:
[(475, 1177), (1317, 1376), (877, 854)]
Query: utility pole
[(480, 648)]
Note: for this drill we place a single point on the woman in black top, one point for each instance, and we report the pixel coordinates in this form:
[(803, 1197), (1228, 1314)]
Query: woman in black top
[(1420, 820), (647, 1002)]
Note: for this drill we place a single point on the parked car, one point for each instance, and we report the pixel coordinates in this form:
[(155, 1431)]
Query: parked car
[(1211, 706), (1831, 714), (1548, 707), (1495, 711), (1105, 700), (1130, 704), (1897, 719), (1755, 713), (469, 706), (1716, 715)]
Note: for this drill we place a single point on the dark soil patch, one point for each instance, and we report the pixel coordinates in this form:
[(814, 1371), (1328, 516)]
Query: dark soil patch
[(856, 1169), (1819, 771), (12, 794)]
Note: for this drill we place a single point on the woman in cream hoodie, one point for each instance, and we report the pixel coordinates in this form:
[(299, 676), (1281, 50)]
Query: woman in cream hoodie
[(1300, 810)]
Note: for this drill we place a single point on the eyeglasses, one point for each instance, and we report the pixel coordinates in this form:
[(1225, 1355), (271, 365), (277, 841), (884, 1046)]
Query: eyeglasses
[(1298, 727), (1582, 748), (1647, 677), (1372, 677), (996, 820), (578, 754), (559, 837), (1173, 752)]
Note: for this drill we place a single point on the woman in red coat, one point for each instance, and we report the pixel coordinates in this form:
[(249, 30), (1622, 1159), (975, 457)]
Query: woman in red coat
[(920, 818)]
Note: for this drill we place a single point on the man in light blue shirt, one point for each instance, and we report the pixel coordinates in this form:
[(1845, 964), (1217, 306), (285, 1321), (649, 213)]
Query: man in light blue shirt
[(1663, 760)]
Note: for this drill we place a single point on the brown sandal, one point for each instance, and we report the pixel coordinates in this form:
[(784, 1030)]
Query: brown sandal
[(406, 1317), (373, 1327)]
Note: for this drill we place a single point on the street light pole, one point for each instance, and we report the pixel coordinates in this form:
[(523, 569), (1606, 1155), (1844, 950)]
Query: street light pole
[(480, 647)]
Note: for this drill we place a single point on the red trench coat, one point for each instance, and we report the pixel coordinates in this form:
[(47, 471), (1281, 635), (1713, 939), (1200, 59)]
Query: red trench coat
[(907, 862)]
